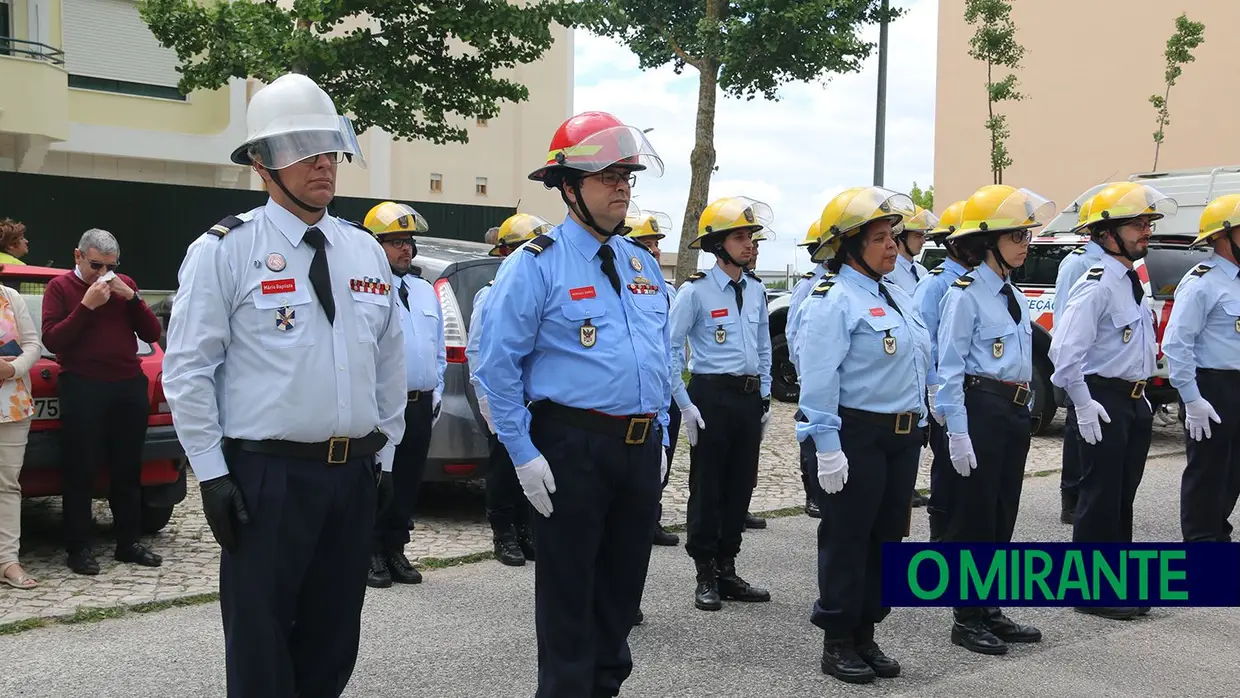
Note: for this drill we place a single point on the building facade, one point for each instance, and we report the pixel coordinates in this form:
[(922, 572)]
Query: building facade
[(1087, 75)]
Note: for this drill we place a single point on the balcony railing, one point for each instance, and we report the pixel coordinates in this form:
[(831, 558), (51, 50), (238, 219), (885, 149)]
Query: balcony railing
[(10, 46)]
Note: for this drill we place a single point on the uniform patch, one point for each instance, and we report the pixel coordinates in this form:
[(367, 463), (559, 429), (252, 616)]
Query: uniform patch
[(275, 261), (962, 282), (643, 289), (1200, 269), (721, 335), (1238, 324), (1094, 274), (936, 271), (695, 276), (721, 312), (538, 244), (286, 317), (808, 275), (582, 293), (221, 229), (1079, 250), (877, 312), (279, 286), (821, 288), (996, 349), (1127, 337), (369, 284), (589, 335), (635, 263)]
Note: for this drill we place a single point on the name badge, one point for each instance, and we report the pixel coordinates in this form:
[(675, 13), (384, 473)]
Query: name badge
[(579, 294), (722, 312), (279, 286)]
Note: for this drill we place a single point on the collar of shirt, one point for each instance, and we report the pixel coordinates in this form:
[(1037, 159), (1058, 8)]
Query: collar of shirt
[(1094, 251), (1222, 263), (952, 265), (1117, 269), (78, 273), (856, 278), (905, 263), (988, 278), (580, 239), (294, 228), (721, 278)]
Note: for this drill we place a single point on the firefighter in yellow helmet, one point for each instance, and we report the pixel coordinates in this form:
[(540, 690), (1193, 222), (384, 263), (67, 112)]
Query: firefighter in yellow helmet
[(909, 241), (863, 354), (512, 541), (985, 363), (394, 225), (722, 314), (1104, 350), (1202, 346)]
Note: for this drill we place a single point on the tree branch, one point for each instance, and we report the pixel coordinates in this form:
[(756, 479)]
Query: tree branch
[(675, 46)]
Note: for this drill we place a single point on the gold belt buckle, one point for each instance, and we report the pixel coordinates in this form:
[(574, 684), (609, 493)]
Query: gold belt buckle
[(904, 423), (332, 443), (414, 395), (644, 423), (1138, 390), (1022, 395), (752, 383)]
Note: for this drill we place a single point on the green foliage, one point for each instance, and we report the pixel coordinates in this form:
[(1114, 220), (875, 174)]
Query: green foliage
[(407, 66), (1188, 35), (994, 43), (924, 199)]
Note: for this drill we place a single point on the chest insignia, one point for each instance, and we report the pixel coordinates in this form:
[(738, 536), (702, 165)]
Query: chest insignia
[(721, 335), (286, 317), (1127, 337), (588, 334), (889, 344)]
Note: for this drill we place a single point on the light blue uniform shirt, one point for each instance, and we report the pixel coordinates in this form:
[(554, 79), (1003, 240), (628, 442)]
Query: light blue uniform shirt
[(252, 356), (926, 300), (556, 330), (475, 334), (722, 339), (1072, 268), (978, 337), (1102, 331), (906, 275), (854, 364), (426, 356), (799, 293), (1204, 329)]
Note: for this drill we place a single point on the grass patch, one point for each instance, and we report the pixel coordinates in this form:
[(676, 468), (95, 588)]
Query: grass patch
[(22, 626), (94, 614), (194, 600), (439, 563)]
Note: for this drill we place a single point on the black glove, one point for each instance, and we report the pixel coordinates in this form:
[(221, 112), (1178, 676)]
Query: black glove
[(225, 510), (386, 491)]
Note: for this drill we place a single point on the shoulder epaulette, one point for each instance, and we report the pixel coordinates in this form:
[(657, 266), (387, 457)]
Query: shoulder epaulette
[(1200, 270), (221, 229), (1095, 274), (538, 244), (963, 282), (357, 225), (750, 274), (821, 288), (936, 271), (696, 276), (808, 275), (1079, 250)]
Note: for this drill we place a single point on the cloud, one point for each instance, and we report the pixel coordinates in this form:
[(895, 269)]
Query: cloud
[(794, 153)]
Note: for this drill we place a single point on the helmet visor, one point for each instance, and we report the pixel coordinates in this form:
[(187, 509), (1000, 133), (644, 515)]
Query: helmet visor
[(868, 204), (313, 136), (392, 218), (923, 221), (621, 146), (1139, 201), (1022, 208)]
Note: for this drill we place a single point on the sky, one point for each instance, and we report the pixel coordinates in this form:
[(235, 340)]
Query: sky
[(793, 154)]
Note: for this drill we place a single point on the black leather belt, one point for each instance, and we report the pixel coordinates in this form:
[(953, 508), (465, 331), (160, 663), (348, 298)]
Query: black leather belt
[(901, 423), (741, 384), (634, 429), (335, 451), (1018, 393), (1134, 389), (415, 395), (1219, 372)]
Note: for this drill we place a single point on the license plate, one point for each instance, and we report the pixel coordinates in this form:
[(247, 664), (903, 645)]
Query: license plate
[(46, 408)]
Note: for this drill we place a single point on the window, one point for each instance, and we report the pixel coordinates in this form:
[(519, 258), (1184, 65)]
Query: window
[(1041, 267), (482, 122), (96, 31), (436, 182), (480, 186), (1167, 265), (5, 14)]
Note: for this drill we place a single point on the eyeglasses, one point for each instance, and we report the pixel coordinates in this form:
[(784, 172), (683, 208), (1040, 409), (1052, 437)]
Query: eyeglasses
[(333, 158), (399, 242), (100, 265), (1020, 237), (1141, 224), (611, 179)]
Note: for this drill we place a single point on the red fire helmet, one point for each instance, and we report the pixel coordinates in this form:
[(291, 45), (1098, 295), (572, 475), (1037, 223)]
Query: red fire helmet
[(593, 141)]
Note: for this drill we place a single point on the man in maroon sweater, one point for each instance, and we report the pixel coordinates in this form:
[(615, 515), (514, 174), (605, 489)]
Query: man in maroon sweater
[(90, 317)]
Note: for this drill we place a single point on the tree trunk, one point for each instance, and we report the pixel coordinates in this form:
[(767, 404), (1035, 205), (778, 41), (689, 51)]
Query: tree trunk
[(701, 165), (1161, 124)]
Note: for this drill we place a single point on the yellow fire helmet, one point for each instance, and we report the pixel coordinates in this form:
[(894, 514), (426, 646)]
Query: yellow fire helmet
[(922, 221), (1219, 216), (648, 224), (1082, 218), (1125, 200), (849, 211), (999, 208), (389, 218), (764, 234), (517, 229), (949, 222), (731, 213), (812, 235)]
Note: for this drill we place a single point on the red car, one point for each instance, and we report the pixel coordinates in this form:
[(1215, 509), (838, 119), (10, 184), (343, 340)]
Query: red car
[(163, 460)]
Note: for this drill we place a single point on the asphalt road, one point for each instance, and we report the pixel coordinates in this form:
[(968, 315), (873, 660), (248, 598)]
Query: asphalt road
[(468, 632)]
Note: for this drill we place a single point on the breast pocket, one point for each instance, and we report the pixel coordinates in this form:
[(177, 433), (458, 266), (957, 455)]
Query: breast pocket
[(723, 327), (285, 320), (999, 338), (1125, 323), (1232, 310), (584, 317), (886, 327), (370, 314)]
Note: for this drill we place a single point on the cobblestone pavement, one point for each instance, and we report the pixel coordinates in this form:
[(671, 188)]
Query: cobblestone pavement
[(450, 524)]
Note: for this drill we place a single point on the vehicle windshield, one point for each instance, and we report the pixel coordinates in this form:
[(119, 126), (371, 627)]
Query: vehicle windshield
[(35, 304), (1168, 264)]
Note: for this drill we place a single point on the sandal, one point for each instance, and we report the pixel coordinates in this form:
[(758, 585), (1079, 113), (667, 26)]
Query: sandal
[(21, 581)]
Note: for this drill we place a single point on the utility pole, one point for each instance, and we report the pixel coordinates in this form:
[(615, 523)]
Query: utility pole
[(880, 126)]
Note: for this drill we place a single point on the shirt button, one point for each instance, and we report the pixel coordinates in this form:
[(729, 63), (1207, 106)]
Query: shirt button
[(340, 367)]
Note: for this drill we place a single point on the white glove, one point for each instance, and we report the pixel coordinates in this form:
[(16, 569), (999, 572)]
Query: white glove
[(662, 464), (692, 419), (1197, 417), (484, 407), (538, 484), (931, 391), (960, 448), (832, 471), (1087, 417), (436, 408), (766, 419)]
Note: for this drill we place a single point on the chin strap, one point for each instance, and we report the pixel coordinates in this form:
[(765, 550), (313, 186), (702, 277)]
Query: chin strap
[(583, 212), (1006, 268), (1119, 242), (275, 177)]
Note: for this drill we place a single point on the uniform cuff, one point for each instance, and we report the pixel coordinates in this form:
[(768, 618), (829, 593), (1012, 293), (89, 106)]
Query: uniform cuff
[(682, 398), (385, 456), (1190, 392), (522, 451), (209, 465), (958, 423)]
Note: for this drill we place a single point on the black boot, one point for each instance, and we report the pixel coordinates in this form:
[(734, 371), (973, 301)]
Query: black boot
[(663, 537), (1067, 506), (401, 570), (525, 539), (507, 549), (840, 659), (706, 596), (1120, 613), (884, 667), (970, 633), (811, 508), (379, 577), (752, 521), (1007, 629), (919, 499), (733, 588)]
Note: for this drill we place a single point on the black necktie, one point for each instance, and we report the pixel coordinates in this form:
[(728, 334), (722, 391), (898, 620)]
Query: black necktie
[(404, 293), (887, 297), (740, 298), (916, 276), (320, 278), (1013, 306), (1137, 292), (608, 256)]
